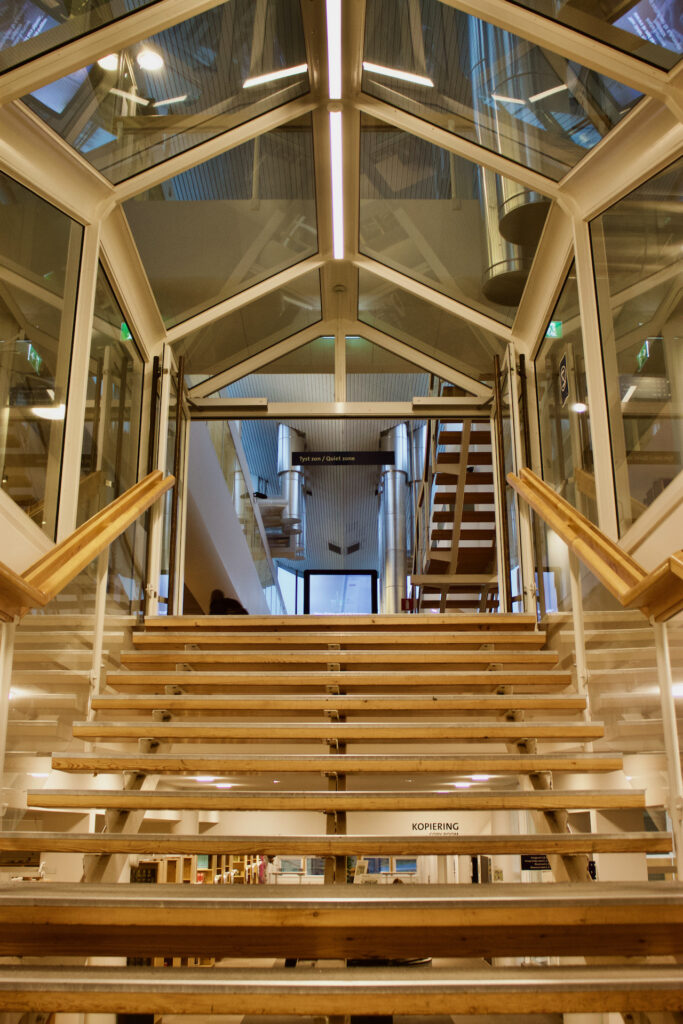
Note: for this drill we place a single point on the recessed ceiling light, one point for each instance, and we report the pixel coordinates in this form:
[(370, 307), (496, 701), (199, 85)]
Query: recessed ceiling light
[(579, 407), (480, 778), (110, 62), (274, 76), (150, 60), (130, 96), (547, 92), (507, 99), (462, 785), (334, 62), (404, 76), (205, 778), (224, 785)]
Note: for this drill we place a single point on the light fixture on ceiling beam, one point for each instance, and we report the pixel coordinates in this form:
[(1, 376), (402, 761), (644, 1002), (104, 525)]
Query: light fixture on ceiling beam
[(548, 92), (337, 184), (403, 76), (110, 62), (334, 61), (274, 76)]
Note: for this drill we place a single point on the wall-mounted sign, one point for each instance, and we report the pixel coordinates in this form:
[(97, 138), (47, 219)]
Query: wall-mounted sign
[(435, 826), (564, 380), (535, 862), (343, 459)]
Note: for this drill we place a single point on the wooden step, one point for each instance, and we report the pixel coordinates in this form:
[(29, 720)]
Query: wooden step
[(623, 919), (346, 800), (343, 703), (405, 764), (414, 845), (529, 681), (523, 640), (296, 623), (342, 732), (340, 992), (538, 659)]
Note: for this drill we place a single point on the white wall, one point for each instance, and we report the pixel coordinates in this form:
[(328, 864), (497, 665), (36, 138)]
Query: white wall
[(23, 543), (217, 555)]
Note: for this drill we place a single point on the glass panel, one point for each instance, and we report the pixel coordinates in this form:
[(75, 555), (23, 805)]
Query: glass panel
[(648, 29), (305, 375), (489, 86), (164, 598), (566, 444), (636, 249), (374, 374), (164, 95), (29, 28), (417, 204), (249, 330), (111, 441), (260, 196), (426, 327), (40, 251)]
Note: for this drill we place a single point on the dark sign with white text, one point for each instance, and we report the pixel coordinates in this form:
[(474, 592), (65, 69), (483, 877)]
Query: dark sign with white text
[(342, 458)]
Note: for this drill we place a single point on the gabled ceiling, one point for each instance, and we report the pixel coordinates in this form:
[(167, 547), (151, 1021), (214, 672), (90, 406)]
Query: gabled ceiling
[(193, 137)]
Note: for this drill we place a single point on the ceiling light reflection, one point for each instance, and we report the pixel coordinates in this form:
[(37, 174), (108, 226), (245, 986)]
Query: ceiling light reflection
[(150, 60), (274, 76), (334, 62)]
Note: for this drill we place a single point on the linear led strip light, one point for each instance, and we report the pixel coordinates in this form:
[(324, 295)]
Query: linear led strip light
[(334, 77)]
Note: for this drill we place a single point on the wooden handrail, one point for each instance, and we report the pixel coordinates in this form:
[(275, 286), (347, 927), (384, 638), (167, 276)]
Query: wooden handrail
[(43, 580), (658, 594)]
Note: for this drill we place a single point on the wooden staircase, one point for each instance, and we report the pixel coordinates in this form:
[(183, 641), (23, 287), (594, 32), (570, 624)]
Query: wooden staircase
[(424, 718), (459, 570)]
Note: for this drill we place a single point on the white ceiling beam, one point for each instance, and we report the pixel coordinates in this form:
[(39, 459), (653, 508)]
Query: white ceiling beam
[(256, 291), (127, 275), (230, 139), (568, 43), (546, 277), (455, 144), (418, 359), (226, 408), (646, 141), (257, 362), (423, 291), (38, 158), (50, 67)]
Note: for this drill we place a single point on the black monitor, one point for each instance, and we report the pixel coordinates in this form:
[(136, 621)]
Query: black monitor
[(340, 591)]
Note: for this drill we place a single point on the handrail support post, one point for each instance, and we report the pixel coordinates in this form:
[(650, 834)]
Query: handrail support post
[(98, 626), (7, 634), (671, 748), (579, 623)]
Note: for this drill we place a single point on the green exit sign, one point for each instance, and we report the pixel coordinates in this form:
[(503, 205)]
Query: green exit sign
[(644, 354), (125, 332), (554, 329)]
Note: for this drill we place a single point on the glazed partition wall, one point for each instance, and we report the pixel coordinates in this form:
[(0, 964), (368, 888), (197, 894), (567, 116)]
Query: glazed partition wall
[(111, 442), (636, 253), (40, 256)]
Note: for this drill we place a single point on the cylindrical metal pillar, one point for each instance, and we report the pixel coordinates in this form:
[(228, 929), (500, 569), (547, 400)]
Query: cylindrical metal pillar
[(393, 494), (291, 480)]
